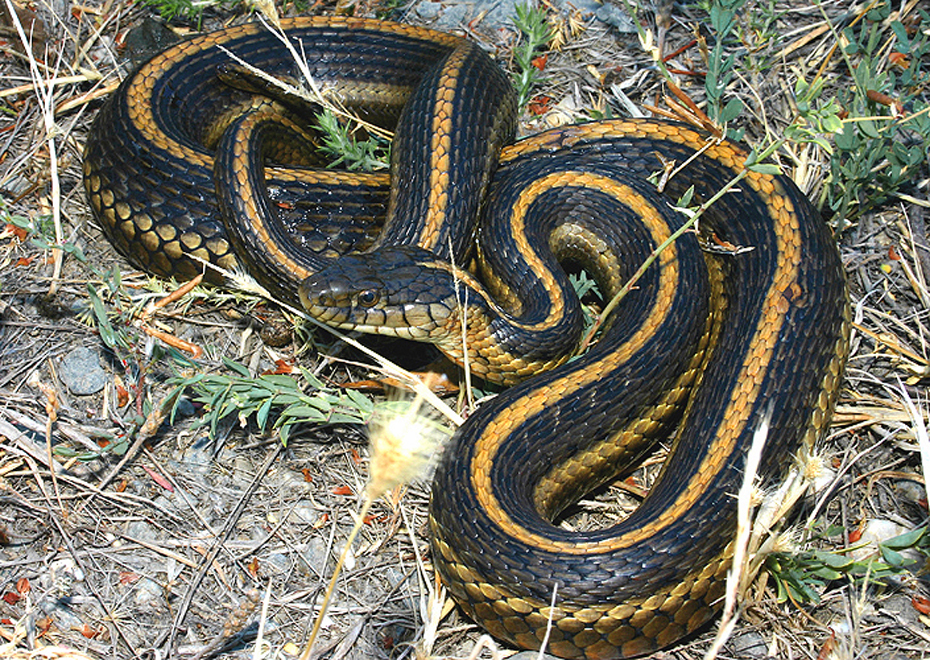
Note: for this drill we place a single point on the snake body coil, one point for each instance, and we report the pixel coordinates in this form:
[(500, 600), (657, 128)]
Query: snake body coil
[(705, 350)]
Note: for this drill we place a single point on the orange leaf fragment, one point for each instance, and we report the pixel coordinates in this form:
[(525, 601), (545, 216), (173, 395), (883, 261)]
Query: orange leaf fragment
[(16, 232), (128, 577), (88, 632), (899, 59), (159, 479), (540, 105), (921, 604)]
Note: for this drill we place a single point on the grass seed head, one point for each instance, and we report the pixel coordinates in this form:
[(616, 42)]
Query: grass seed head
[(404, 438)]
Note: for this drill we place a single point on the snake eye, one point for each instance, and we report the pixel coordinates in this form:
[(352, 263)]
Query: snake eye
[(368, 297)]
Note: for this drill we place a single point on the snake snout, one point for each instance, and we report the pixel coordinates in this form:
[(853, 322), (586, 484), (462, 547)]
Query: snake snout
[(392, 291)]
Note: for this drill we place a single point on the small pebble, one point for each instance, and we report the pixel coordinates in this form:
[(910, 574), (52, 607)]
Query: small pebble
[(748, 645), (146, 591), (81, 372)]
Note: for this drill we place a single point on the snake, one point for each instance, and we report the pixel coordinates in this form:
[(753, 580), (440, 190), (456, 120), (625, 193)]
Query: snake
[(735, 329)]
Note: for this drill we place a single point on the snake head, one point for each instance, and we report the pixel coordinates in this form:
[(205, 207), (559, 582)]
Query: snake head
[(397, 291)]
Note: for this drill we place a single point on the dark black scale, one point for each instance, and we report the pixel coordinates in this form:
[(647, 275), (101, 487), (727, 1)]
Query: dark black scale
[(190, 96), (590, 414), (484, 94)]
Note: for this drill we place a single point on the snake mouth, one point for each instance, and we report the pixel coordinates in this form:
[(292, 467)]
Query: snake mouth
[(385, 306)]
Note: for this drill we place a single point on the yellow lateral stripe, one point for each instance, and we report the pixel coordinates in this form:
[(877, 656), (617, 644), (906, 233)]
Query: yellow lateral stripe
[(142, 99), (746, 389), (440, 151), (488, 444)]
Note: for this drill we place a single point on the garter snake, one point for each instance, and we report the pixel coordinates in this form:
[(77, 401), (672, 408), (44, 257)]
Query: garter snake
[(150, 159), (705, 349)]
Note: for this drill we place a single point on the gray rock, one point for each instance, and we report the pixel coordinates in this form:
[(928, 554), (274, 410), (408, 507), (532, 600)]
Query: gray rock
[(748, 645), (147, 591), (616, 17), (81, 372), (497, 14)]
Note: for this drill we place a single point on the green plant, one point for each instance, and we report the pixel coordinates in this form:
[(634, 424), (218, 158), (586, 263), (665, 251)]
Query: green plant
[(723, 16), (188, 10), (886, 136), (273, 401), (41, 231), (758, 32), (802, 576), (535, 33), (339, 142)]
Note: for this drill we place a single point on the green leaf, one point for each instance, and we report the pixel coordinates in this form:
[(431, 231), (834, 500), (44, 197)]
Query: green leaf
[(280, 380), (731, 110), (305, 413), (831, 123), (360, 401), (344, 418), (906, 540), (235, 366), (847, 139), (868, 129), (107, 333), (827, 573), (261, 416), (891, 557), (900, 32), (765, 168)]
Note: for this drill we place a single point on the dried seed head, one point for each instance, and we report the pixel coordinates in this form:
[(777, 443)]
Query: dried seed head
[(787, 542), (404, 438), (818, 472)]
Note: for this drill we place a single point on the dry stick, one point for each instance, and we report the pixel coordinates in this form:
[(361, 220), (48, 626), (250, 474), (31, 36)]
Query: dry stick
[(331, 587), (545, 640), (920, 432), (44, 89), (76, 556), (316, 93), (34, 86), (461, 294), (741, 541), (207, 562), (626, 288)]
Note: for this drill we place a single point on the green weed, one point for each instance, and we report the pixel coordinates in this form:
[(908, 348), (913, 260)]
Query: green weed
[(803, 576), (274, 401), (368, 155), (535, 34), (885, 136)]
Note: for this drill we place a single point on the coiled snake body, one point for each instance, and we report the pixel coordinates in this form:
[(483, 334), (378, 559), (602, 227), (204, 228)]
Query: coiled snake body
[(705, 349)]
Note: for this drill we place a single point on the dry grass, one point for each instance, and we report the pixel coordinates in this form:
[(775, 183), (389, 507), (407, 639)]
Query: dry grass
[(224, 546)]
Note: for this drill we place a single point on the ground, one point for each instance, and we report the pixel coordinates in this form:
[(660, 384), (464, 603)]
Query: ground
[(124, 533)]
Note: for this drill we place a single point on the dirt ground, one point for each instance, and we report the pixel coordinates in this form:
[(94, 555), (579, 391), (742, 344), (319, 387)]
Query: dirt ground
[(217, 541)]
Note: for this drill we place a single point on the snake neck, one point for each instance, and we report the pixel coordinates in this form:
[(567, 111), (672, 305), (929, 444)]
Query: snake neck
[(503, 338)]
